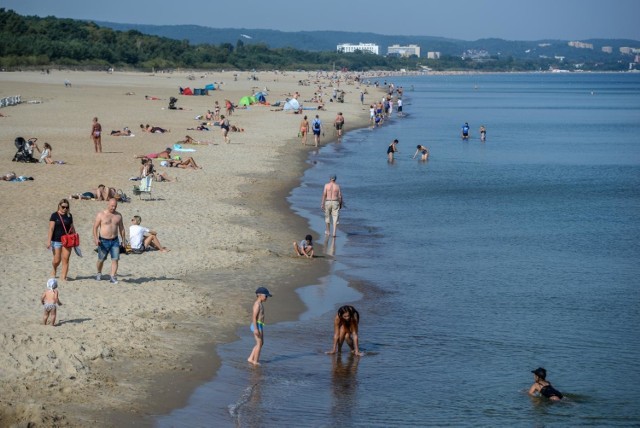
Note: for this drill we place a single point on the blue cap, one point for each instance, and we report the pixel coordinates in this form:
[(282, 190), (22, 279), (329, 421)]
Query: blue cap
[(263, 290)]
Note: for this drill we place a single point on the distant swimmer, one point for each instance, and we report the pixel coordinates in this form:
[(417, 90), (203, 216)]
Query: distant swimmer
[(421, 149), (543, 388), (465, 131), (345, 327), (483, 133)]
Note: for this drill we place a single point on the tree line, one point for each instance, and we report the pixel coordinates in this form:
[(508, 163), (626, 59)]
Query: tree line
[(34, 42)]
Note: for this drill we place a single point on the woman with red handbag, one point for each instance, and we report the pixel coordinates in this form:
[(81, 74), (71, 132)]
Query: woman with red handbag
[(60, 224)]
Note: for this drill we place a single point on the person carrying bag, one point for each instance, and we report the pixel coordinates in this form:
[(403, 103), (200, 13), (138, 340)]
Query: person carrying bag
[(69, 240)]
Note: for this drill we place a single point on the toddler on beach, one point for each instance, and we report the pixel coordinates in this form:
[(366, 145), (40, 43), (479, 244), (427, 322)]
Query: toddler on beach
[(50, 301), (257, 324)]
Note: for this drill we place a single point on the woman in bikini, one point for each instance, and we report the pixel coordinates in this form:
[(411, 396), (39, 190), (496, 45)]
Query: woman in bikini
[(345, 327), (304, 130)]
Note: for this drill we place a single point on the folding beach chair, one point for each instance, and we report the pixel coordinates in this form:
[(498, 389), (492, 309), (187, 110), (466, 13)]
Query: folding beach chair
[(144, 187)]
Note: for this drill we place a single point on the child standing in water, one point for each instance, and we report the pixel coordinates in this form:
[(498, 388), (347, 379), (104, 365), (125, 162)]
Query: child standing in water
[(257, 324), (50, 301)]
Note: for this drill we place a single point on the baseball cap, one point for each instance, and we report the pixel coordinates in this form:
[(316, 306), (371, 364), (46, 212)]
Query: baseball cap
[(263, 290), (540, 372), (333, 177)]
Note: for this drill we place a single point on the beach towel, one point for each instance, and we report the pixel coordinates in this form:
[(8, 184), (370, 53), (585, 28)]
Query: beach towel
[(178, 148)]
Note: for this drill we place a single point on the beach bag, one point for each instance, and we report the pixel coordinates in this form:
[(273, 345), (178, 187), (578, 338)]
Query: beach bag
[(69, 240)]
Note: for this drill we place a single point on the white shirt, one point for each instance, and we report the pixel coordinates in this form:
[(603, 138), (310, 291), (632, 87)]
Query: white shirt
[(136, 236)]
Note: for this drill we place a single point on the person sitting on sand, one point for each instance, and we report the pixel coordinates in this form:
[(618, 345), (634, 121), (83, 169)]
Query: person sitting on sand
[(143, 239), (147, 168), (45, 155), (165, 154), (305, 247), (126, 132), (153, 129)]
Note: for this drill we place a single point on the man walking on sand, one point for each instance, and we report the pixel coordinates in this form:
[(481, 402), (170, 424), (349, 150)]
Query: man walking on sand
[(316, 126), (331, 204), (105, 235), (339, 124)]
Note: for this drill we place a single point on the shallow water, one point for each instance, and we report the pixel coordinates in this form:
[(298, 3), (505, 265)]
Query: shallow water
[(472, 269)]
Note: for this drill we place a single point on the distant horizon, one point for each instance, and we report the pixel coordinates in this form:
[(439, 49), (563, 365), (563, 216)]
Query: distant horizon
[(466, 20), (349, 31)]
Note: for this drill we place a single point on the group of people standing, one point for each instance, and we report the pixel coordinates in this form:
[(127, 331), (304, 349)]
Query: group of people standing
[(464, 134), (109, 237), (317, 128)]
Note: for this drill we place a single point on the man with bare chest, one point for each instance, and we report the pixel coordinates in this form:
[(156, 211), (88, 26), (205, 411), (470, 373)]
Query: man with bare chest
[(331, 204), (106, 228)]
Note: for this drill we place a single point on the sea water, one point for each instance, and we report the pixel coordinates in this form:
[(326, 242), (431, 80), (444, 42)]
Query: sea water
[(468, 270)]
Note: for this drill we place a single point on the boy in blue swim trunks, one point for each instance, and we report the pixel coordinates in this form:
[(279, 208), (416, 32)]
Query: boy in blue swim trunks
[(257, 324)]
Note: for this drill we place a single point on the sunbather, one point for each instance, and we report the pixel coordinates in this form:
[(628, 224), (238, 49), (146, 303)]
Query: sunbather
[(189, 140), (165, 154), (183, 163), (102, 193), (153, 129), (126, 132)]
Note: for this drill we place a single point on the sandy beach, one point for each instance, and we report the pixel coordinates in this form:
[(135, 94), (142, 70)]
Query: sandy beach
[(122, 353)]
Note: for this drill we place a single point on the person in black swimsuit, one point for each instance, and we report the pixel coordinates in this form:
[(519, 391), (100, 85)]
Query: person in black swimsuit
[(393, 148), (543, 388)]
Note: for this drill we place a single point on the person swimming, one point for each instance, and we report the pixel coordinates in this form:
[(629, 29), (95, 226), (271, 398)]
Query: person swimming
[(542, 387)]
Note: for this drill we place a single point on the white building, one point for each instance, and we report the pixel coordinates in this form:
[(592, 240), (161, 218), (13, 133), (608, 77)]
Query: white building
[(404, 50), (580, 45), (365, 47), (433, 55)]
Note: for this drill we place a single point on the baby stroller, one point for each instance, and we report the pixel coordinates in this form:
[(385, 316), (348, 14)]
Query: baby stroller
[(172, 103), (25, 150)]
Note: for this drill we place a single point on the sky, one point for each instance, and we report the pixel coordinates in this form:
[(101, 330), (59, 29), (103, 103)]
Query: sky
[(526, 20)]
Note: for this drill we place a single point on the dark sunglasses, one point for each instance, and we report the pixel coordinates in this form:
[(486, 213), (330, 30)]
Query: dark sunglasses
[(64, 206)]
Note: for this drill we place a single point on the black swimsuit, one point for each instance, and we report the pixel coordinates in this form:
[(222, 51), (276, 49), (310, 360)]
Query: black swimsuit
[(549, 391)]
